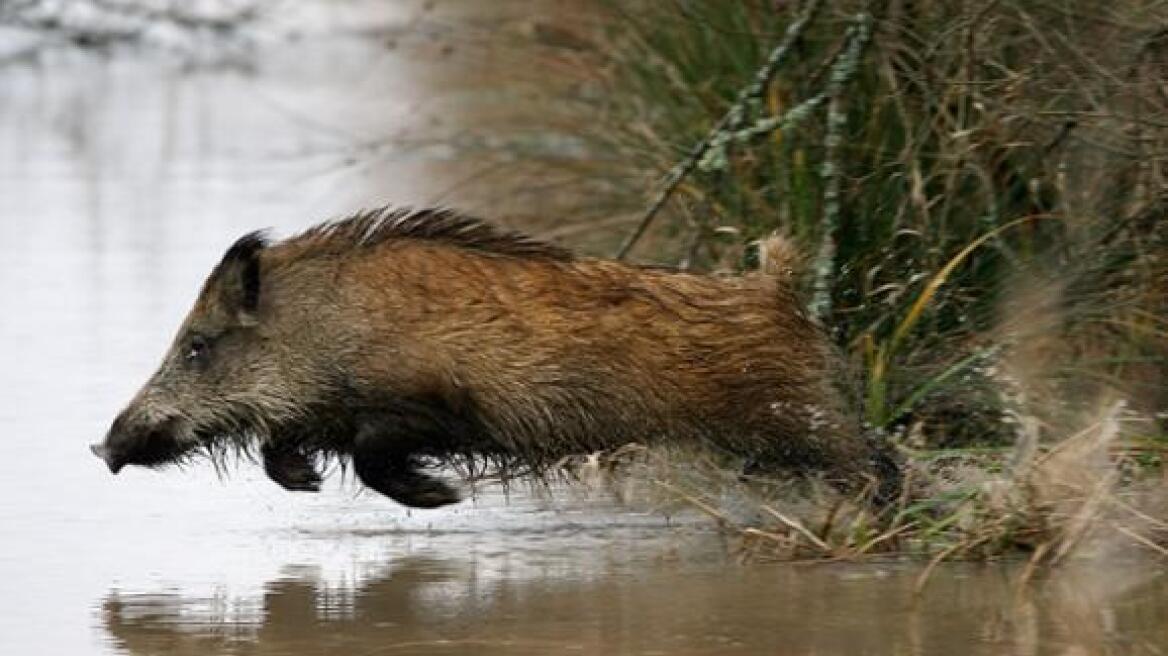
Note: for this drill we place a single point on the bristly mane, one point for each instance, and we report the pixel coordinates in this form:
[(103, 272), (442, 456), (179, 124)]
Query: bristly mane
[(377, 226)]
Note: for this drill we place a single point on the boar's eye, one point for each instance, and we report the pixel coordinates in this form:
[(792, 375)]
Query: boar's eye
[(197, 349)]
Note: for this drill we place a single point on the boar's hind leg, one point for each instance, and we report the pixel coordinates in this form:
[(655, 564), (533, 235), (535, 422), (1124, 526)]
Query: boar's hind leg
[(382, 464), (290, 467)]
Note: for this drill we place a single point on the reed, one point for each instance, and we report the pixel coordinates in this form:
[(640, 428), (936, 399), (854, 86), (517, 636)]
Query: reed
[(968, 179), (981, 192)]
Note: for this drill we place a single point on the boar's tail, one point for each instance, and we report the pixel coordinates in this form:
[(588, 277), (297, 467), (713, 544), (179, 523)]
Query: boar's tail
[(779, 256)]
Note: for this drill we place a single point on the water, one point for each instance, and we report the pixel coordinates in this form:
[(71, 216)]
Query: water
[(122, 180)]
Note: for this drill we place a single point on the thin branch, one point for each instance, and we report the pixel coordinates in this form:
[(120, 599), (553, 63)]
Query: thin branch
[(732, 121), (837, 119), (802, 530), (832, 173)]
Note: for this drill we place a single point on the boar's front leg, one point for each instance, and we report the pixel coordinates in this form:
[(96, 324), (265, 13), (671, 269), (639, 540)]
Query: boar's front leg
[(384, 463), (290, 467)]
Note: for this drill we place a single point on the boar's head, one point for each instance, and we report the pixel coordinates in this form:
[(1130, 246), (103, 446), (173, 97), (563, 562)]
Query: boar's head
[(226, 379)]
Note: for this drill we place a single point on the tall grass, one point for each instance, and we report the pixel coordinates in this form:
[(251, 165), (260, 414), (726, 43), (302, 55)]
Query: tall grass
[(987, 151), (984, 207)]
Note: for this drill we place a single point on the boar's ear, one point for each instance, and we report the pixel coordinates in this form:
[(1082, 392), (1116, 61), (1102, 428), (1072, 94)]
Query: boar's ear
[(237, 277)]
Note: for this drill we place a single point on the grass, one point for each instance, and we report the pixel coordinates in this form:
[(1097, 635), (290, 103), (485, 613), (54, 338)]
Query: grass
[(1087, 495), (983, 200)]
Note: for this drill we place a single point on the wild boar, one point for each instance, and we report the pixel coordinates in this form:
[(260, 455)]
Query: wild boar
[(403, 339)]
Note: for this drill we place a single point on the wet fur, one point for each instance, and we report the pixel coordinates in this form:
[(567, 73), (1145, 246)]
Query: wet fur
[(408, 339)]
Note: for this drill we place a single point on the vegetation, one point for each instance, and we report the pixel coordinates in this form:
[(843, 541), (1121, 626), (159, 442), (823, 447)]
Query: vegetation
[(981, 189)]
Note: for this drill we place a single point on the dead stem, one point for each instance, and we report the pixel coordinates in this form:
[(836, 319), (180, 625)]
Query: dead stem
[(723, 520), (1032, 564), (923, 579), (1141, 539), (796, 526)]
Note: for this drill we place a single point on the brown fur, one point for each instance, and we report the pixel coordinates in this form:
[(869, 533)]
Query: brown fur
[(395, 337)]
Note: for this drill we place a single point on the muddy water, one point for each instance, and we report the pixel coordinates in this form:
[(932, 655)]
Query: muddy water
[(121, 181)]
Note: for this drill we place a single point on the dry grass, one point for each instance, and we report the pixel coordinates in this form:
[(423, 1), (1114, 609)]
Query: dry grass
[(1085, 496)]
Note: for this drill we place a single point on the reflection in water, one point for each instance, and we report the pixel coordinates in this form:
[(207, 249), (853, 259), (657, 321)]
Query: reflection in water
[(433, 605)]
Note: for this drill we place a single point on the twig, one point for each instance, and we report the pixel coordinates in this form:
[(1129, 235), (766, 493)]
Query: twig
[(832, 172), (1142, 540), (1031, 567), (713, 512), (732, 121), (792, 542), (1138, 513), (923, 579), (796, 526), (1082, 523), (883, 537), (829, 522)]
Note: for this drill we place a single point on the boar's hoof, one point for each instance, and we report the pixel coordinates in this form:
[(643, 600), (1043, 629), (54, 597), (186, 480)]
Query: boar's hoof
[(291, 469), (400, 480), (422, 491)]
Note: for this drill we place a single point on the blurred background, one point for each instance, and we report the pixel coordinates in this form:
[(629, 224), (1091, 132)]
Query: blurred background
[(978, 189)]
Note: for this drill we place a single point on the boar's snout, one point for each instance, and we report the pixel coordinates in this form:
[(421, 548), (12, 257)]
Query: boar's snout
[(131, 442), (106, 454)]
